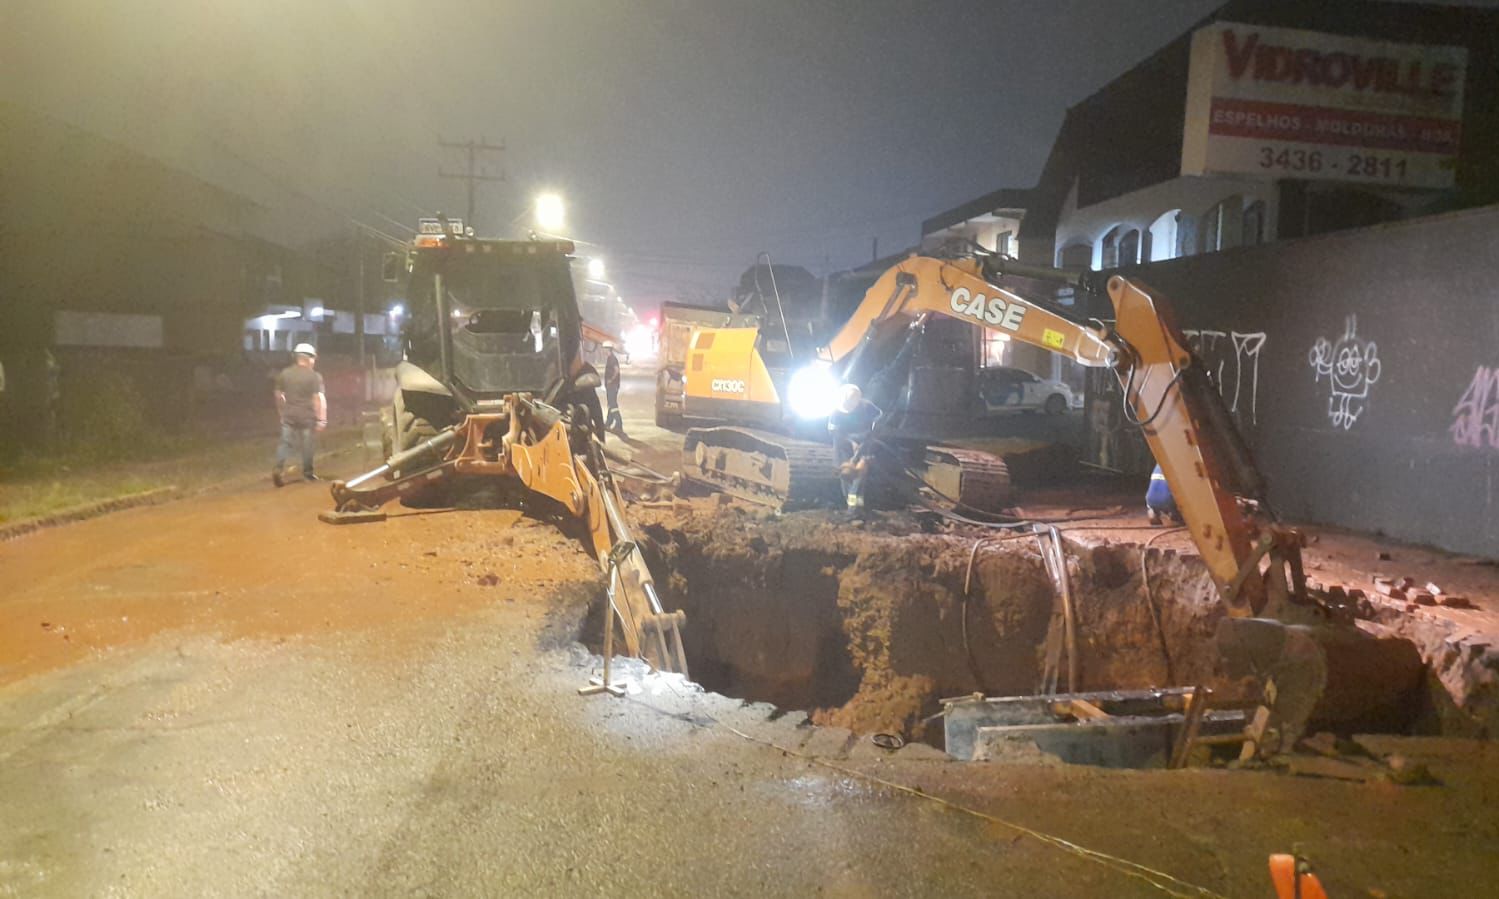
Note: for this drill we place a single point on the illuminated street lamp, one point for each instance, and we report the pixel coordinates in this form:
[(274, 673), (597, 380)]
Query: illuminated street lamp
[(551, 214), (596, 269)]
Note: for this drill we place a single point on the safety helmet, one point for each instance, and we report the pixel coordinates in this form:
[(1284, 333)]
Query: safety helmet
[(608, 344), (306, 349), (849, 398)]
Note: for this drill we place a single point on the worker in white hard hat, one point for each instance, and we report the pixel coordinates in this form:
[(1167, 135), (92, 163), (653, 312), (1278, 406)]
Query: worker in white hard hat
[(613, 421), (302, 404)]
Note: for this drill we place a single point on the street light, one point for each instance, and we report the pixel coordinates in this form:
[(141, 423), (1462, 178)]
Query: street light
[(550, 213), (596, 269)]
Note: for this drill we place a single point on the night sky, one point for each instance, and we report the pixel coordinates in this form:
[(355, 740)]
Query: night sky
[(686, 135)]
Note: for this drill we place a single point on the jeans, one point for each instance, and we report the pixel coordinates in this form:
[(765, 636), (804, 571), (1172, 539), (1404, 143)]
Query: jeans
[(292, 437), (614, 421)]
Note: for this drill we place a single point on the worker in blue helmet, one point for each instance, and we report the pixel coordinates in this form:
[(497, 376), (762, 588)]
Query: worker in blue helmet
[(1158, 499)]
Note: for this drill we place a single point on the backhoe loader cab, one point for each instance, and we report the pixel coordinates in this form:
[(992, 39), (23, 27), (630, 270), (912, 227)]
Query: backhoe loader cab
[(487, 318)]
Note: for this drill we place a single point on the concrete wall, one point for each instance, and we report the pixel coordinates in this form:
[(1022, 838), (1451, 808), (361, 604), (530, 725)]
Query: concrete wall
[(1364, 368)]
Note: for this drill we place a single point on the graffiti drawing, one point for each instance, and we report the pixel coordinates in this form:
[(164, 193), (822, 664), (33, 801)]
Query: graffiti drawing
[(1232, 360), (1476, 416), (1352, 367)]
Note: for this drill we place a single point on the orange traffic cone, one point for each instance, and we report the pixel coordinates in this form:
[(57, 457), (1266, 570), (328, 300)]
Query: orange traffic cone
[(1293, 878)]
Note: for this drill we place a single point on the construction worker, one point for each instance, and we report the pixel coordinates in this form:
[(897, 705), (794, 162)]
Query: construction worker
[(1158, 499), (851, 424), (614, 421), (302, 405)]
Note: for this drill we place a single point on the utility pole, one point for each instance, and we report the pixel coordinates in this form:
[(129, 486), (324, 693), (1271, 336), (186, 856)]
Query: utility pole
[(473, 174), (359, 308)]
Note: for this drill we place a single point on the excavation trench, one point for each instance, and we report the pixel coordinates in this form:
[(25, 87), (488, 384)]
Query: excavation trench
[(870, 628)]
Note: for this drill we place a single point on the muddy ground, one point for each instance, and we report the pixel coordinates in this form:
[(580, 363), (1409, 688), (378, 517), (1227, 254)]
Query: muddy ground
[(868, 627), (224, 696)]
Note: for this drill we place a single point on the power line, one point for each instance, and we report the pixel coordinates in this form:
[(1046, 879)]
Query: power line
[(473, 174)]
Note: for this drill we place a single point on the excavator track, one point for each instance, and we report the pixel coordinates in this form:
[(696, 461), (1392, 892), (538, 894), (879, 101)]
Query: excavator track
[(975, 479), (762, 467)]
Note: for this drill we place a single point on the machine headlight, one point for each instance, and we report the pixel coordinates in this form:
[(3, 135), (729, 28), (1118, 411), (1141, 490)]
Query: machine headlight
[(813, 391)]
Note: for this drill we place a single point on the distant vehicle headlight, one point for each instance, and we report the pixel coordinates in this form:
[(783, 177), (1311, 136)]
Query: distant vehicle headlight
[(813, 391)]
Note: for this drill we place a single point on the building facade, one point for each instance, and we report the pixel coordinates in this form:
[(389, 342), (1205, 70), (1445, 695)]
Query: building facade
[(1269, 120)]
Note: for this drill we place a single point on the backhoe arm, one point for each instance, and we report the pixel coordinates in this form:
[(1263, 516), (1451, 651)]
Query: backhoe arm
[(1166, 391), (539, 448)]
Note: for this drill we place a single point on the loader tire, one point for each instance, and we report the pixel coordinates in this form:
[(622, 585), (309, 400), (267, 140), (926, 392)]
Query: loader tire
[(387, 432), (409, 430)]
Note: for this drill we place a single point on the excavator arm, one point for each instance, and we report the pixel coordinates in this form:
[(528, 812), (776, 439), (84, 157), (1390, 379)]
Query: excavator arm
[(1166, 393)]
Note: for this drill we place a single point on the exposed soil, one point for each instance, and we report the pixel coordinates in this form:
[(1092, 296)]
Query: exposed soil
[(869, 627)]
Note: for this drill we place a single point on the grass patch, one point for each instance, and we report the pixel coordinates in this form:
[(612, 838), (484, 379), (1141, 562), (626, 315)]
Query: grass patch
[(44, 485)]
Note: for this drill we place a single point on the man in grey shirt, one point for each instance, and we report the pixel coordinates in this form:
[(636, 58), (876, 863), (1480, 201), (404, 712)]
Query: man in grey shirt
[(303, 406)]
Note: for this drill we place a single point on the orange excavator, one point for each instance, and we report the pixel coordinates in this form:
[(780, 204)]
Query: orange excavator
[(1166, 392), (1254, 561)]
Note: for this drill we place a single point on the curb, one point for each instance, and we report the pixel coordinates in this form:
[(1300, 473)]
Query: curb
[(152, 497), (88, 510)]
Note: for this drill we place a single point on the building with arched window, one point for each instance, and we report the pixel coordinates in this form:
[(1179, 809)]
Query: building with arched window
[(1271, 119)]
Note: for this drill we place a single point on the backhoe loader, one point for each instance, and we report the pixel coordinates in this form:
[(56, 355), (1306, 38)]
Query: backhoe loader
[(493, 385)]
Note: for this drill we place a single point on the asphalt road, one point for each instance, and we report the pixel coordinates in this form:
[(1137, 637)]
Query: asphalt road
[(222, 696)]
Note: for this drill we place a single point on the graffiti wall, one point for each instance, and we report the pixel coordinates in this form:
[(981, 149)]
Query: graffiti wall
[(1364, 369)]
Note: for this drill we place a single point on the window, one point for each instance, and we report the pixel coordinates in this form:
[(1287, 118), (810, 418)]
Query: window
[(1221, 226), (1254, 224), (1186, 235), (1077, 255), (1210, 230), (1109, 249), (1002, 243), (1129, 248), (996, 346), (1165, 239)]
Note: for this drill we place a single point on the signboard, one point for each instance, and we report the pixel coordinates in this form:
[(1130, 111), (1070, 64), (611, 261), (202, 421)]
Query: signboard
[(1283, 103), (434, 226)]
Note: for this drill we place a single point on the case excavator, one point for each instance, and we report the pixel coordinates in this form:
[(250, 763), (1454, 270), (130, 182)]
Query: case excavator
[(761, 384), (493, 385), (1275, 629)]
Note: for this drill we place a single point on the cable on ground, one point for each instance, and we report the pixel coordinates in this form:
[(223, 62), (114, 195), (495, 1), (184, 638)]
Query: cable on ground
[(1160, 880)]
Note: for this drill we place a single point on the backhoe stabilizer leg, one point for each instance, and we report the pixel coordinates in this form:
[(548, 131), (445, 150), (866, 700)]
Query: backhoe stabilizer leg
[(355, 505)]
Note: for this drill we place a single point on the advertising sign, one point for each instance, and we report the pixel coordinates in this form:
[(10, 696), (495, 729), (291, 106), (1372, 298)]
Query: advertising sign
[(1284, 103)]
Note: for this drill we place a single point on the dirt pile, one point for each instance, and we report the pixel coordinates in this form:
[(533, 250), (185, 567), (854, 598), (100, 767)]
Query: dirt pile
[(869, 627)]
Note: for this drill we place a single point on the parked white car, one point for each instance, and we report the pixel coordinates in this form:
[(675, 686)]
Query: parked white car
[(1015, 389)]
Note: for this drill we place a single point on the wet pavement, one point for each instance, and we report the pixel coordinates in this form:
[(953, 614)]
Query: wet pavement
[(222, 696), (292, 712)]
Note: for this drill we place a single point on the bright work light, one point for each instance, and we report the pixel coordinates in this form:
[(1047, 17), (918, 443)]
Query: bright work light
[(813, 391)]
